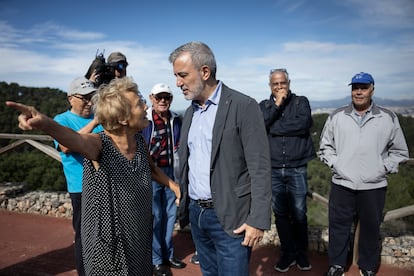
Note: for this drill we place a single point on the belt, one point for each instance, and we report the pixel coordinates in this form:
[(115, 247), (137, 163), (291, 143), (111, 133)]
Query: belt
[(205, 203)]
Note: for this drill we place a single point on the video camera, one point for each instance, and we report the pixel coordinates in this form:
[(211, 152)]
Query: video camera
[(105, 71)]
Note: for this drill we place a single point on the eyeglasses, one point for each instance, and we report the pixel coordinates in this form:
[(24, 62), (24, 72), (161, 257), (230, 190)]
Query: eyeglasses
[(360, 86), (160, 97), (85, 100)]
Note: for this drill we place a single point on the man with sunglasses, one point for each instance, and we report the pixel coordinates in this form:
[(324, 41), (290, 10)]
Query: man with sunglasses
[(162, 136), (81, 119), (362, 143), (288, 120)]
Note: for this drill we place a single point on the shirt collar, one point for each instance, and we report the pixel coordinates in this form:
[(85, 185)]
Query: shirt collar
[(366, 112)]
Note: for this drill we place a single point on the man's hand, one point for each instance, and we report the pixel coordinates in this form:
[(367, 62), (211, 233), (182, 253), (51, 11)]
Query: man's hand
[(252, 236), (176, 189), (281, 95), (94, 76)]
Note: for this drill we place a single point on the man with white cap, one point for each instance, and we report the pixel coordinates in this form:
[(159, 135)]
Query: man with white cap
[(362, 143), (162, 136), (81, 119)]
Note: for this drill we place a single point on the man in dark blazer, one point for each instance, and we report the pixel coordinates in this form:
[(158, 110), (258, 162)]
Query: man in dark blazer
[(224, 165)]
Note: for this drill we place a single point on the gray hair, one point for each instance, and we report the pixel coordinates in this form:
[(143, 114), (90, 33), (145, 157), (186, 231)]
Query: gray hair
[(279, 70), (200, 53)]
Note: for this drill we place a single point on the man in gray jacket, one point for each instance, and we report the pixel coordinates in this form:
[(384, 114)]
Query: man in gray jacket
[(224, 165), (361, 143)]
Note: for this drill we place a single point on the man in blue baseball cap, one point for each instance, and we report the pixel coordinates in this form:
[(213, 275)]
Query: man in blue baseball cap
[(362, 143), (362, 77)]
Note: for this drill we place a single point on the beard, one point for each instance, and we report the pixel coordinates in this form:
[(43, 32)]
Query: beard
[(194, 94)]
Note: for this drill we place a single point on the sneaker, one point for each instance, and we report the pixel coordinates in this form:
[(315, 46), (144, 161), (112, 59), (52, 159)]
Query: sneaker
[(336, 270), (194, 259), (364, 272), (284, 264), (303, 263)]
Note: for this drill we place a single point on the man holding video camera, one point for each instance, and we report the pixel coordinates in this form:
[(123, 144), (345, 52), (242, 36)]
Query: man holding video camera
[(101, 72), (119, 62)]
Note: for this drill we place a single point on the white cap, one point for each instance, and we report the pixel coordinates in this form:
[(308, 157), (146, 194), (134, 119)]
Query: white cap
[(160, 88)]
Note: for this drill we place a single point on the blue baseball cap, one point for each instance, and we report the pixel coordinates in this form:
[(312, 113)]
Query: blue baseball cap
[(362, 78)]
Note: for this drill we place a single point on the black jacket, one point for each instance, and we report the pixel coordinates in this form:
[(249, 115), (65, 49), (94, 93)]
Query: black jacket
[(287, 129)]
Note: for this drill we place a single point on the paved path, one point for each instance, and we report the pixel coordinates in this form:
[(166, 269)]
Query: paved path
[(38, 245)]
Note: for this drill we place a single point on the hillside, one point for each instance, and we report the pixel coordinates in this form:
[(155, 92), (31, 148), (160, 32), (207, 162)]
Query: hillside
[(404, 107)]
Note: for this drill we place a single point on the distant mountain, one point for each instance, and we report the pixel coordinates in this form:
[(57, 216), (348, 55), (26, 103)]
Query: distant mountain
[(345, 101)]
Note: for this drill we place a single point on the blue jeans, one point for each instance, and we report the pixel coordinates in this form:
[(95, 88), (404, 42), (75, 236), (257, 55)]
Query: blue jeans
[(164, 213), (219, 253), (289, 189)]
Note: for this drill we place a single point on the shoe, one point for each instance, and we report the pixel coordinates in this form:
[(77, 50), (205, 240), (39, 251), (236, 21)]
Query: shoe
[(336, 270), (194, 259), (176, 263), (161, 270), (364, 272), (302, 263), (284, 264)]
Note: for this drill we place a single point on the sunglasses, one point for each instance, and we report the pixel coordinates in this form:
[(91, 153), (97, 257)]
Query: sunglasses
[(160, 97), (360, 86)]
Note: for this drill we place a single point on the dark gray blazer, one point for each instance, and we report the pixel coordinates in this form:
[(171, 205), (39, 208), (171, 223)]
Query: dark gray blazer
[(240, 172)]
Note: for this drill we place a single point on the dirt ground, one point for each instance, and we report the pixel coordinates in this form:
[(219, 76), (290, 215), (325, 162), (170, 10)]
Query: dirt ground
[(38, 245)]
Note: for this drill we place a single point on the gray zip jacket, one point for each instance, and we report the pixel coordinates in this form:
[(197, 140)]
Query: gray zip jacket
[(362, 153)]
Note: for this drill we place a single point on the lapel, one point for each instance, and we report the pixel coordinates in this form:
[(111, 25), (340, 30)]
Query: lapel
[(220, 121), (185, 128)]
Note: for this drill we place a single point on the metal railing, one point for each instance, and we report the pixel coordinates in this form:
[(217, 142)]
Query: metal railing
[(30, 139)]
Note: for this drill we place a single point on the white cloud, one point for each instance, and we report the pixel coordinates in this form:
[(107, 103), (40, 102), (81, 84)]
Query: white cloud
[(322, 70), (384, 13)]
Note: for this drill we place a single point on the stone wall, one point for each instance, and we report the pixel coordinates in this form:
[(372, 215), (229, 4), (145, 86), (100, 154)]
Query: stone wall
[(13, 197), (397, 250)]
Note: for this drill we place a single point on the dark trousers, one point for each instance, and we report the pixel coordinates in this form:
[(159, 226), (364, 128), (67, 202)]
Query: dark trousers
[(76, 199), (344, 206)]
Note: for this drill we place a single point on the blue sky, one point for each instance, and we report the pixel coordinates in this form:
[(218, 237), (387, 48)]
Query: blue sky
[(322, 43)]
